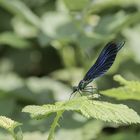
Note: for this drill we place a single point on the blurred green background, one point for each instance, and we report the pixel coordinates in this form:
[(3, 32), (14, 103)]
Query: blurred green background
[(46, 46)]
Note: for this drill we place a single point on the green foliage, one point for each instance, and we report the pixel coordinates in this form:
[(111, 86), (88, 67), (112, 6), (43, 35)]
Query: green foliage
[(105, 111), (13, 40), (89, 108), (10, 125), (105, 4), (47, 46), (133, 34), (76, 5), (18, 8), (59, 26), (129, 90), (121, 136)]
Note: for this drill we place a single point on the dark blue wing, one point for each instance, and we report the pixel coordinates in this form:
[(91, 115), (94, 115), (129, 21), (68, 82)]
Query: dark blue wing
[(104, 61)]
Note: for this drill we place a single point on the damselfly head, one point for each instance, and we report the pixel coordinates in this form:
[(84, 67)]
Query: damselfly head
[(75, 88)]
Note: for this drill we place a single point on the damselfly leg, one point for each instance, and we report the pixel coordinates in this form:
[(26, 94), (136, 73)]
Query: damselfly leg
[(75, 92), (94, 91)]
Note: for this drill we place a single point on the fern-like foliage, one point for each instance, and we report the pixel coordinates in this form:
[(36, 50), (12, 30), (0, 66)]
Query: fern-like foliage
[(128, 90), (117, 113), (10, 125)]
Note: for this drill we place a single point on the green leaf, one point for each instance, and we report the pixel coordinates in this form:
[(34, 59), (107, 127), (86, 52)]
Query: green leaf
[(9, 82), (11, 85), (11, 39), (135, 85), (98, 6), (76, 4), (125, 135), (84, 132), (132, 37), (18, 8), (130, 90), (117, 113), (58, 25), (7, 123), (87, 130), (10, 125), (23, 28)]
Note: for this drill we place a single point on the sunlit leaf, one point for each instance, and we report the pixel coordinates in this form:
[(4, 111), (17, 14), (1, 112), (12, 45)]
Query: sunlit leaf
[(130, 90), (117, 113), (10, 125)]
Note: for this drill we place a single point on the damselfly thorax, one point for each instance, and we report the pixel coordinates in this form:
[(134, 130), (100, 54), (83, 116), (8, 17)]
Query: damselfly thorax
[(86, 87)]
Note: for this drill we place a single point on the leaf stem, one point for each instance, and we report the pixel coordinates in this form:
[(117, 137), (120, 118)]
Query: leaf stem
[(54, 125)]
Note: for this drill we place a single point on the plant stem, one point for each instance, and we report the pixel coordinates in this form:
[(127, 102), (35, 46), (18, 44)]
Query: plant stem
[(13, 134), (54, 125), (17, 135)]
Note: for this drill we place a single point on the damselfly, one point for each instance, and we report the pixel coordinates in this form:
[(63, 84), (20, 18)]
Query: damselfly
[(102, 64)]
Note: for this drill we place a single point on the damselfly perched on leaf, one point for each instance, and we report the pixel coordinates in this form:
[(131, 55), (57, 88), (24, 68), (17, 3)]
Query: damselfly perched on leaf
[(102, 64)]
